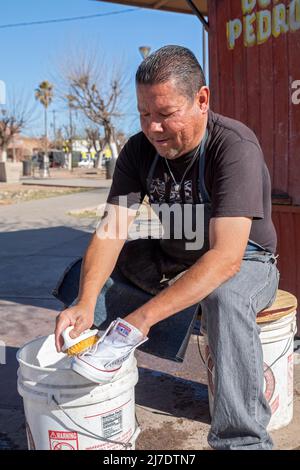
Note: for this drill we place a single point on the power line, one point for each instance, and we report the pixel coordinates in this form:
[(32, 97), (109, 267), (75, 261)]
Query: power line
[(63, 20)]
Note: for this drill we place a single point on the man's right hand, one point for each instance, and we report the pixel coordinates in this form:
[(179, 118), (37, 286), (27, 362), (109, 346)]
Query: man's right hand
[(80, 316), (99, 261)]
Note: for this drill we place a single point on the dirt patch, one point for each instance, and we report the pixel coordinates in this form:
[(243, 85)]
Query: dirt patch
[(92, 173), (85, 214), (16, 193), (167, 437), (143, 213)]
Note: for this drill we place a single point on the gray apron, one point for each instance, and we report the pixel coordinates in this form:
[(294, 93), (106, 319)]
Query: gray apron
[(153, 264)]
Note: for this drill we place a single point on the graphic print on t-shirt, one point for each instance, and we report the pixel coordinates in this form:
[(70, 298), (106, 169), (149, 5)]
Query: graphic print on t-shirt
[(158, 192)]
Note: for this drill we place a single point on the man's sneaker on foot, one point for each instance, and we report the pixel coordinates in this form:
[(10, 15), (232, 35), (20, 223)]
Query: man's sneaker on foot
[(114, 348)]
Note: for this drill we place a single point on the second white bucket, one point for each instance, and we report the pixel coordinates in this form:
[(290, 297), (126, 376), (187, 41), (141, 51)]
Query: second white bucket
[(65, 411), (277, 344)]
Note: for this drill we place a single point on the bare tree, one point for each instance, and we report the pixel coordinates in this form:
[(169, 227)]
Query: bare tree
[(121, 139), (97, 93), (58, 142), (94, 139), (13, 120)]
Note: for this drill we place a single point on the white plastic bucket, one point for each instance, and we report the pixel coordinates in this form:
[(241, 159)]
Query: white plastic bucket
[(277, 344), (65, 411)]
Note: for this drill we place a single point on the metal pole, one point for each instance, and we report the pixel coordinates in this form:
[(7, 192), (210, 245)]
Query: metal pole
[(198, 14), (46, 158), (14, 149), (71, 137), (54, 124), (71, 128), (204, 52)]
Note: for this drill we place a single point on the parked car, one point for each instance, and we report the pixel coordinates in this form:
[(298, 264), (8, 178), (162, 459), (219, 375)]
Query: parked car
[(57, 159), (86, 161)]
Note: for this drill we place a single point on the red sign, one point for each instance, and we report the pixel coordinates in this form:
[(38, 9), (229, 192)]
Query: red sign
[(61, 440)]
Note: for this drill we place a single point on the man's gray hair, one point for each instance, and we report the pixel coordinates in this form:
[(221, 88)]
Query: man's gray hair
[(172, 62)]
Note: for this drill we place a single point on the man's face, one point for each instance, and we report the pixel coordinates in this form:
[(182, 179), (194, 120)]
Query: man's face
[(172, 122)]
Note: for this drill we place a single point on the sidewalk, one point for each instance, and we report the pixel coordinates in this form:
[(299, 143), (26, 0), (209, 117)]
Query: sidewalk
[(38, 240), (79, 177), (68, 182)]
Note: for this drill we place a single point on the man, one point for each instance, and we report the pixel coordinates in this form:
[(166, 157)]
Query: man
[(190, 156)]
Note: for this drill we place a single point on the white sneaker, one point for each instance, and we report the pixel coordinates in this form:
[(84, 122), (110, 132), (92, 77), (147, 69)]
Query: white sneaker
[(110, 353)]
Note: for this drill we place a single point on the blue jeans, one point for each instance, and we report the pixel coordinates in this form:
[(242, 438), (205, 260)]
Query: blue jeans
[(168, 339), (240, 413)]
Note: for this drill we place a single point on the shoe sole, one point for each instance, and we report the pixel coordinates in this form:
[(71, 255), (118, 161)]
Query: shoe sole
[(89, 374)]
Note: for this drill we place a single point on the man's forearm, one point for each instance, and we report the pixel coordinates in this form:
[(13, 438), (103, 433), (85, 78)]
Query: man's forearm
[(103, 251), (198, 282), (98, 263)]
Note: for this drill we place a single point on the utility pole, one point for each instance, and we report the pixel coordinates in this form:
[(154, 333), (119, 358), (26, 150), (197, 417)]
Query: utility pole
[(54, 125), (46, 173), (70, 99), (14, 149)]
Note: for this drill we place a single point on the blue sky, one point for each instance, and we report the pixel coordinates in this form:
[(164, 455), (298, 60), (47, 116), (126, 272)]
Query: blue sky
[(31, 54)]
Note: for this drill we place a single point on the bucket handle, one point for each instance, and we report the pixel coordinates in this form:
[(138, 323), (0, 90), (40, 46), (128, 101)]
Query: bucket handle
[(285, 349), (126, 445)]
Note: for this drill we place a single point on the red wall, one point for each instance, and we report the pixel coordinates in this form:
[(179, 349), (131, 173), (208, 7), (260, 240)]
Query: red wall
[(254, 85), (287, 222)]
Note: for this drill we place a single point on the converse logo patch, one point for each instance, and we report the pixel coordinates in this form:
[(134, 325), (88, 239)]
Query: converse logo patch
[(123, 330)]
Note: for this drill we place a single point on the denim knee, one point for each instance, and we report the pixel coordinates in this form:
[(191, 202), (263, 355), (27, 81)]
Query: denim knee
[(221, 300)]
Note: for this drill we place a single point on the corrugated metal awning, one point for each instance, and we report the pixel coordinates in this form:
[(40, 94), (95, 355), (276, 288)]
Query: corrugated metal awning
[(176, 6)]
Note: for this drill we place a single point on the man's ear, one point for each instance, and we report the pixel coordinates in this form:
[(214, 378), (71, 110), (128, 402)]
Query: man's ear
[(203, 97)]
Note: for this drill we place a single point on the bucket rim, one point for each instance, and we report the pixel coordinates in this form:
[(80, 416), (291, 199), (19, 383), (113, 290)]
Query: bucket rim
[(275, 317), (32, 366), (22, 362)]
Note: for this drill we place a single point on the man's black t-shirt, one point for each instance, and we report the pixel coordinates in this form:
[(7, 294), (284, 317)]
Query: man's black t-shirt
[(236, 177)]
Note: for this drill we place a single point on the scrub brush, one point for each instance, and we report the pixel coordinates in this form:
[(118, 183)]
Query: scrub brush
[(86, 340)]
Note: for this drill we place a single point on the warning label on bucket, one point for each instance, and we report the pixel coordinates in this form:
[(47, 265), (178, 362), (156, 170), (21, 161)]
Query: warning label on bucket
[(61, 440), (112, 424)]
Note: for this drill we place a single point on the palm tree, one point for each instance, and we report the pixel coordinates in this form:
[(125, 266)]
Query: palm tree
[(44, 94)]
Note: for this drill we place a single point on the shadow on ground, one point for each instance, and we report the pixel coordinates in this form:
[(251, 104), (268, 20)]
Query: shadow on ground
[(172, 396), (12, 423), (33, 261)]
